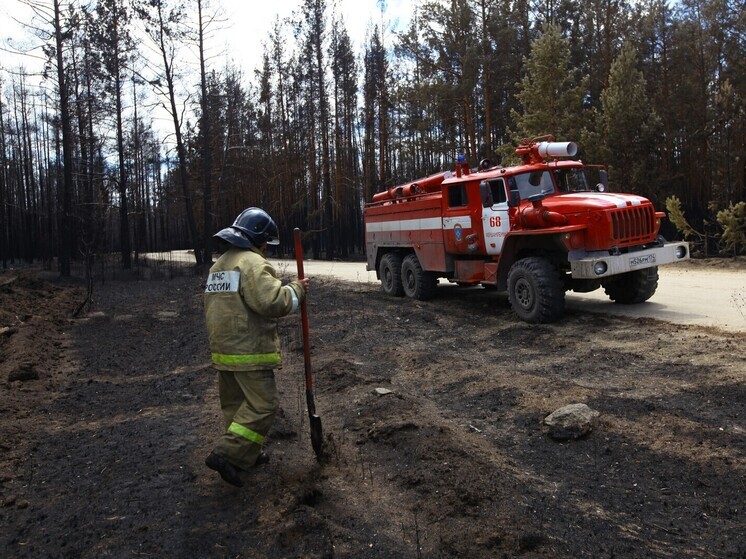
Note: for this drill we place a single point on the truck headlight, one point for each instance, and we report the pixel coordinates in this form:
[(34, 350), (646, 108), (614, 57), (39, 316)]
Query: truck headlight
[(680, 252), (600, 267)]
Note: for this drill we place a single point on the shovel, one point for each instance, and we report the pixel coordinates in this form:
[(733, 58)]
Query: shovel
[(315, 420)]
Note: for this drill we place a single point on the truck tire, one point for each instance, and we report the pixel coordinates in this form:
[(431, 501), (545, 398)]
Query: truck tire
[(389, 270), (536, 291), (417, 283), (633, 287)]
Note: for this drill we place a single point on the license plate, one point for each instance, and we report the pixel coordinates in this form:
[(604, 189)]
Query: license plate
[(642, 261)]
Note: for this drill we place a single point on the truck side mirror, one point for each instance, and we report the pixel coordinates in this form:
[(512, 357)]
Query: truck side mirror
[(514, 199), (604, 185), (486, 194)]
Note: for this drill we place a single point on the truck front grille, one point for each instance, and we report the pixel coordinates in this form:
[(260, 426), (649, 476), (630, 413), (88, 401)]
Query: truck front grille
[(633, 225)]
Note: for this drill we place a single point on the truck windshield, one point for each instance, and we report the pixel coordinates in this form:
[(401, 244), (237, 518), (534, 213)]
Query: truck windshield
[(577, 179), (529, 184)]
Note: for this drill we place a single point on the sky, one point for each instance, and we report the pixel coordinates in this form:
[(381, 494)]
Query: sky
[(247, 26), (251, 22), (239, 40)]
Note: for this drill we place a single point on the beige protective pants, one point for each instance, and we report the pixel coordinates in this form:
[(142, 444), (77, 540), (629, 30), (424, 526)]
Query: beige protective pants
[(249, 400)]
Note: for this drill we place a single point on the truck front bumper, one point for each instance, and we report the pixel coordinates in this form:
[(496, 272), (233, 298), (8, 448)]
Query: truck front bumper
[(595, 265)]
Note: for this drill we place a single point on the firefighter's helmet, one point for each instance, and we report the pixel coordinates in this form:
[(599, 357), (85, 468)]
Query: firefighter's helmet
[(252, 227)]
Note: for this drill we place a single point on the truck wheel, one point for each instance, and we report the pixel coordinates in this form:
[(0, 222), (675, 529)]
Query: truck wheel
[(417, 283), (633, 287), (535, 290), (389, 271)]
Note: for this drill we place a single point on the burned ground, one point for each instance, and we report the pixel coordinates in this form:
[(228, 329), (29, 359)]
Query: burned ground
[(106, 421)]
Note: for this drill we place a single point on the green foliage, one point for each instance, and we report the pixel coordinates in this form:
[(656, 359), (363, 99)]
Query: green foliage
[(676, 215), (551, 93), (591, 145), (630, 126), (726, 143), (733, 221)]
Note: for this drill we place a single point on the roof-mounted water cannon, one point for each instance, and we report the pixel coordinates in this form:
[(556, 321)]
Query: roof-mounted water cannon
[(542, 148)]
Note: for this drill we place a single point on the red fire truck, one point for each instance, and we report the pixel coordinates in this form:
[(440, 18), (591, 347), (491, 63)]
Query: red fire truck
[(535, 230)]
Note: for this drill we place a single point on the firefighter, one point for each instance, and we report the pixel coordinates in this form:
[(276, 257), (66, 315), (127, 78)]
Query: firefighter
[(243, 299)]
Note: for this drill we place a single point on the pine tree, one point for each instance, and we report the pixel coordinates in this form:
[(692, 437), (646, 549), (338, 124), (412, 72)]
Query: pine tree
[(347, 218), (66, 217), (631, 128), (375, 105), (165, 27), (114, 44), (551, 93)]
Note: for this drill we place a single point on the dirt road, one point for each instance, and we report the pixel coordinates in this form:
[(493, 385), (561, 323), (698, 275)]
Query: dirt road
[(687, 294), (106, 421)]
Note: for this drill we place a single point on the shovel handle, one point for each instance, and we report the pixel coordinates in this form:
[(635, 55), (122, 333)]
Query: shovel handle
[(315, 420), (304, 321)]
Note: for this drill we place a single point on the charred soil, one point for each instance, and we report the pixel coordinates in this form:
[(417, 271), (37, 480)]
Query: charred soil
[(106, 421)]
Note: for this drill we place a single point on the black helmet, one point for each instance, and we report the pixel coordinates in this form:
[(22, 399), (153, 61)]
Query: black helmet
[(253, 226)]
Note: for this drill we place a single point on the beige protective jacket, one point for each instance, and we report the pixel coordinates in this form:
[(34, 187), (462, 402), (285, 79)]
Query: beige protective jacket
[(243, 299)]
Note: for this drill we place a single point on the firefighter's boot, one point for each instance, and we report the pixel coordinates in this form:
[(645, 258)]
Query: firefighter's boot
[(229, 472)]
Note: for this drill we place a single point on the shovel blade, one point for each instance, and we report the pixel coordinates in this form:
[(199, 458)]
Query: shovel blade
[(317, 438)]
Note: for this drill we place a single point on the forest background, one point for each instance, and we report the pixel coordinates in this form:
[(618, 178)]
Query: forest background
[(652, 88)]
